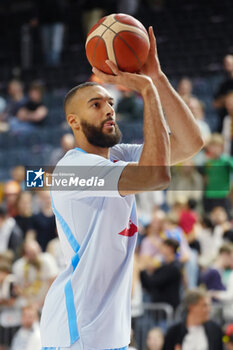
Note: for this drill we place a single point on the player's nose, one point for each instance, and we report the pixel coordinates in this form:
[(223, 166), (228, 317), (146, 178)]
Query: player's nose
[(109, 110)]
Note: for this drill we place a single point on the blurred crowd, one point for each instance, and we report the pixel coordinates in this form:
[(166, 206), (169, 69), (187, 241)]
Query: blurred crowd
[(184, 255)]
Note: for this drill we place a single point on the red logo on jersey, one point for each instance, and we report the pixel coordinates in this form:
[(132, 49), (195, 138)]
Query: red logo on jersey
[(129, 231)]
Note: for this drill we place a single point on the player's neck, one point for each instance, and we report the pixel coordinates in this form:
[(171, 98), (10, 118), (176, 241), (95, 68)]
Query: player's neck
[(89, 148)]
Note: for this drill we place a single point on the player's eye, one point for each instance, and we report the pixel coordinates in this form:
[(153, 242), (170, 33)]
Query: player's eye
[(96, 105), (111, 103)]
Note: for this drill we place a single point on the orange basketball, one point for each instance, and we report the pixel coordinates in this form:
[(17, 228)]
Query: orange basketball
[(120, 38)]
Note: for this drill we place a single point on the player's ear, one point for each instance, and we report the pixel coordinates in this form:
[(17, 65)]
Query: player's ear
[(73, 121)]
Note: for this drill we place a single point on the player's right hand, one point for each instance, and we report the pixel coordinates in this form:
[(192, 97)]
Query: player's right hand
[(133, 81)]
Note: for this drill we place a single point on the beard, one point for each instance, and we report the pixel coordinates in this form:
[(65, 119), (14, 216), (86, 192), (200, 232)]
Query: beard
[(96, 137)]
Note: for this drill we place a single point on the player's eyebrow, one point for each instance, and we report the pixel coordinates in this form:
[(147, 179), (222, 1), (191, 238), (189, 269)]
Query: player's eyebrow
[(100, 98)]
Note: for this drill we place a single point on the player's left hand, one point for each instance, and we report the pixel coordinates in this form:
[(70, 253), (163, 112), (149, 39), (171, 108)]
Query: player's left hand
[(152, 66)]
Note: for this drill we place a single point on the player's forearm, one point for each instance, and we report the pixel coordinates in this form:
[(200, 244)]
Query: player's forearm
[(183, 126), (156, 149)]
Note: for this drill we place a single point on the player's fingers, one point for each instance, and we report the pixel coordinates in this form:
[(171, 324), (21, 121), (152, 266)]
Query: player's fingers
[(113, 67), (152, 39), (105, 78)]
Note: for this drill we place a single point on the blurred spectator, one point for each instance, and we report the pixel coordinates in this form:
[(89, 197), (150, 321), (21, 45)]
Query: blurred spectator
[(186, 183), (51, 17), (67, 143), (217, 176), (15, 100), (172, 230), (146, 201), (34, 273), (226, 296), (196, 331), (54, 249), (164, 282), (18, 175), (3, 124), (150, 246), (223, 227), (93, 10), (225, 87), (191, 267), (228, 123), (197, 108), (11, 191), (24, 217), (207, 238), (213, 277), (130, 106), (155, 339), (28, 336), (44, 222), (184, 89), (10, 234), (188, 221), (10, 316), (32, 113), (228, 337)]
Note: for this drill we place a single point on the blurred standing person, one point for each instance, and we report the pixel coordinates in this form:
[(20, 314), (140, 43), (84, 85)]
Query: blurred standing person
[(197, 108), (11, 191), (67, 143), (24, 217), (164, 283), (228, 124), (185, 88), (28, 336), (10, 234), (32, 113), (44, 221), (51, 16), (34, 273), (196, 331), (15, 99), (225, 87), (217, 170)]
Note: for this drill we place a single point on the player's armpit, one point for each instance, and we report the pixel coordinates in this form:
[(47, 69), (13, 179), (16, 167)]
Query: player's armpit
[(136, 178)]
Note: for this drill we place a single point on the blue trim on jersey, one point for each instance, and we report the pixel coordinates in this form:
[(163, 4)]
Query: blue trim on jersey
[(69, 296), (80, 149), (74, 335), (48, 348), (67, 231), (75, 260)]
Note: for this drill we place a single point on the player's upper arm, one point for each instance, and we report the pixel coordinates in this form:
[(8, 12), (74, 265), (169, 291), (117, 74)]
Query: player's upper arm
[(136, 178)]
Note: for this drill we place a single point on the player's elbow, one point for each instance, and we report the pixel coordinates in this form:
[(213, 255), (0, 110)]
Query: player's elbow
[(194, 147), (160, 178), (198, 144)]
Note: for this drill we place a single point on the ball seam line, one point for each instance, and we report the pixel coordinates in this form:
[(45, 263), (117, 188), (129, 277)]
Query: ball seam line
[(100, 37)]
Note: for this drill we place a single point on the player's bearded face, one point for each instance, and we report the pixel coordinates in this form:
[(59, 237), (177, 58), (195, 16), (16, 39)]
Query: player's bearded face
[(97, 137)]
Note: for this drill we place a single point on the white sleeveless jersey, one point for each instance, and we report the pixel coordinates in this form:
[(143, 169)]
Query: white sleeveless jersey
[(90, 299)]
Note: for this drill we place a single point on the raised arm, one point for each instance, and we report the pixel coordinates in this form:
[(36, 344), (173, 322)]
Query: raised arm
[(185, 135), (152, 171)]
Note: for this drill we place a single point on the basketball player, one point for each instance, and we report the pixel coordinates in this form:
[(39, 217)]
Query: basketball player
[(88, 305)]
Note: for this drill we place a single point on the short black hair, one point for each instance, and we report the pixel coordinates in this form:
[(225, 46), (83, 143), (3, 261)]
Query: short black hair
[(192, 203), (172, 243), (70, 94)]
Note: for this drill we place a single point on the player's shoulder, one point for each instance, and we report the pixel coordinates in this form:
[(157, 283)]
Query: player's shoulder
[(78, 157), (124, 151)]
